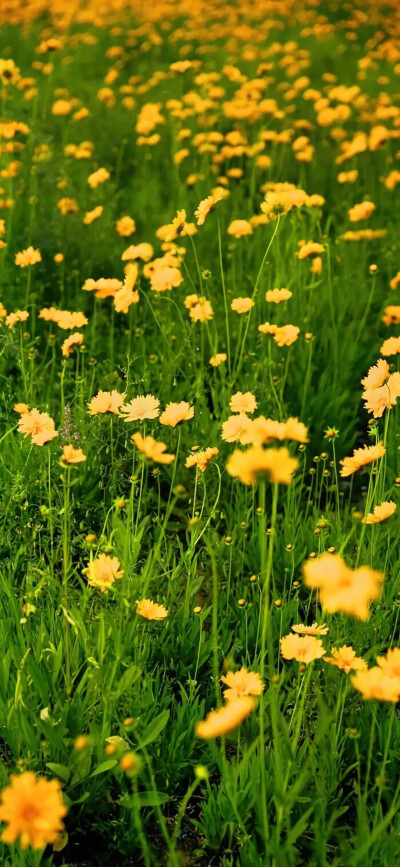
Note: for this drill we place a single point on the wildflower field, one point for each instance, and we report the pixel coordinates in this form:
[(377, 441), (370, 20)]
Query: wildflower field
[(199, 438)]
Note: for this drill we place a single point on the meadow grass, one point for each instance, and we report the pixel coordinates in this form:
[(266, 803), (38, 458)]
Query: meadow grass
[(134, 577)]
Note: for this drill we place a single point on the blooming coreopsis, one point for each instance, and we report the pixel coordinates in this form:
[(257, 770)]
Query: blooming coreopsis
[(38, 425), (152, 450), (207, 205), (141, 407), (303, 649), (70, 455), (33, 810), (241, 683), (341, 588), (71, 343), (106, 401), (251, 465), (103, 571), (381, 512), (151, 610), (362, 458), (30, 256), (227, 718), (345, 659), (175, 413)]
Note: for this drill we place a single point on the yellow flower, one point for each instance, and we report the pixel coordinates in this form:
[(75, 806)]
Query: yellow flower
[(218, 359), (341, 588), (311, 248), (243, 402), (391, 346), (142, 251), (153, 450), (285, 335), (174, 413), (249, 465), (98, 177), (361, 458), (207, 205), (345, 658), (242, 305), (106, 401), (235, 427), (201, 459), (141, 407), (33, 809), (151, 610), (314, 629), (391, 662), (27, 257), (261, 431), (378, 399), (70, 343), (226, 719), (93, 215), (239, 228), (241, 683), (377, 684), (380, 513), (275, 296), (103, 571), (72, 456), (361, 211), (301, 649), (377, 375), (38, 425), (125, 227)]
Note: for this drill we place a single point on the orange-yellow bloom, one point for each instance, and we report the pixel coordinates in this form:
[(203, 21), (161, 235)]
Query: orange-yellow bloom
[(303, 650), (141, 407), (71, 342), (72, 456), (243, 402), (380, 513), (362, 458), (151, 610), (226, 719), (340, 588), (106, 401), (207, 205), (241, 683), (174, 413), (314, 629), (38, 425), (345, 658), (103, 571), (33, 809), (248, 466), (153, 450), (201, 459), (377, 684)]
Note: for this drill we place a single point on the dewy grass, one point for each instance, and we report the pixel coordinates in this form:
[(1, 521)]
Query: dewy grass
[(199, 443)]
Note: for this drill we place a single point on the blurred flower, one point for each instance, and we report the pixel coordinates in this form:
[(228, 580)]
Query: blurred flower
[(33, 809), (103, 571), (380, 513), (153, 450), (175, 413), (340, 588), (226, 719), (151, 610)]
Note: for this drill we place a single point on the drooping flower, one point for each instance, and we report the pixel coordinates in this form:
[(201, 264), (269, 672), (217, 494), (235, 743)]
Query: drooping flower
[(254, 463), (380, 513), (225, 719), (241, 683), (304, 649), (141, 407), (362, 458), (103, 571), (71, 342), (33, 809), (201, 459), (341, 588), (175, 413), (72, 456), (153, 450), (151, 610), (346, 659), (207, 205)]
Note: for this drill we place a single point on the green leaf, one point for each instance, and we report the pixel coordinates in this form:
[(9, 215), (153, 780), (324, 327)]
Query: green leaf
[(59, 770), (154, 729), (147, 799), (105, 766)]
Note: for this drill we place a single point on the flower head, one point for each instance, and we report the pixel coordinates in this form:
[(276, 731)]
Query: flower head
[(340, 588), (153, 450), (72, 456), (33, 809), (141, 407), (362, 458), (248, 466), (201, 459), (103, 571), (30, 256), (314, 629), (380, 513), (38, 425), (151, 610), (242, 682), (304, 649), (243, 402), (207, 205), (71, 342), (106, 401), (174, 413), (345, 658), (226, 719), (375, 683)]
